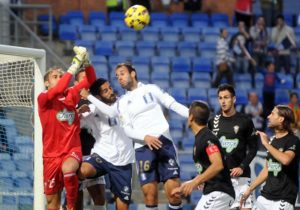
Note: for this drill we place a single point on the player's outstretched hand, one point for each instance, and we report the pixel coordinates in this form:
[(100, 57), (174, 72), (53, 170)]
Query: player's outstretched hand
[(152, 142), (84, 93), (84, 108), (263, 137), (77, 59), (176, 192)]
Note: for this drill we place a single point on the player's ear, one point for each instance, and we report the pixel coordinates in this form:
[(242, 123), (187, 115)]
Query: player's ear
[(46, 83)]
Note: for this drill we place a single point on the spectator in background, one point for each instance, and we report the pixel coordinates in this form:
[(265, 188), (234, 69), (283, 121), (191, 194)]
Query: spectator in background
[(185, 5), (255, 110), (283, 37), (223, 60), (243, 12), (270, 78), (259, 36), (115, 5), (295, 106), (239, 44), (270, 9)]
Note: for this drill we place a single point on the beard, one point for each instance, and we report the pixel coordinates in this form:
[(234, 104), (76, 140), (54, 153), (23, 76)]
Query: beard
[(112, 99)]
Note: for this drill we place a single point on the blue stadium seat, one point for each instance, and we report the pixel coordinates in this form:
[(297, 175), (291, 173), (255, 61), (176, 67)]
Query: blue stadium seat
[(179, 94), (170, 34), (201, 80), (159, 19), (232, 30), (150, 34), (243, 85), (67, 32), (88, 32), (241, 97), (288, 82), (242, 77), (179, 20), (125, 48), (166, 48), (259, 80), (176, 125), (44, 26), (281, 96), (101, 70), (199, 20), (180, 79), (98, 59), (192, 34), (145, 48), (24, 183), (108, 33), (181, 64), (196, 94), (188, 144), (289, 19), (75, 17), (114, 60), (187, 49), (210, 34), (89, 44), (104, 48), (161, 79), (22, 156), (116, 18), (219, 20), (196, 196), (160, 64), (97, 19), (298, 80), (141, 64), (185, 158), (207, 49), (127, 34), (202, 65)]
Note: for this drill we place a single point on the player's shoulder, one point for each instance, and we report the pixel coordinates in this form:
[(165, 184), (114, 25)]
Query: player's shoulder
[(243, 116)]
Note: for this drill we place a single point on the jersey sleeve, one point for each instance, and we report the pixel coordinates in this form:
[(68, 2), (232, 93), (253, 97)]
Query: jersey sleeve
[(292, 145), (252, 144), (60, 88), (168, 101), (110, 111), (211, 148)]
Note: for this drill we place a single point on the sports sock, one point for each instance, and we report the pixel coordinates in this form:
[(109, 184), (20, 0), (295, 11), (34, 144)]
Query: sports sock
[(175, 206), (71, 185)]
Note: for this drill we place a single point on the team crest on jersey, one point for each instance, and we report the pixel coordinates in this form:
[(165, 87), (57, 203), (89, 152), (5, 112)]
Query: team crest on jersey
[(199, 168), (236, 129), (229, 144), (171, 162), (66, 115), (274, 167)]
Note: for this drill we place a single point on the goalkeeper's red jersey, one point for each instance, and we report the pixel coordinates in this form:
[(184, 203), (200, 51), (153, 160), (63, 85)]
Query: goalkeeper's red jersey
[(58, 115)]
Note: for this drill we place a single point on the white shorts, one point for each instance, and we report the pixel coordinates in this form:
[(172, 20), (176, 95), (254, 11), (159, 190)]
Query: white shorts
[(90, 182), (215, 201), (240, 185), (264, 204)]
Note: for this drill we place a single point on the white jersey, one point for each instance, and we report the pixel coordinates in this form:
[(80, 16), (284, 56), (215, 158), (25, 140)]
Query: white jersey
[(141, 113), (111, 142)]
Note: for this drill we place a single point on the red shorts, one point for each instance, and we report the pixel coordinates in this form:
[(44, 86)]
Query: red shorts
[(53, 176)]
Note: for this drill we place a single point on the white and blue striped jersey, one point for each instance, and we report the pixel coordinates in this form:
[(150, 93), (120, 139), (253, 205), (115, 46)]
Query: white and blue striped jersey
[(111, 144), (141, 112)]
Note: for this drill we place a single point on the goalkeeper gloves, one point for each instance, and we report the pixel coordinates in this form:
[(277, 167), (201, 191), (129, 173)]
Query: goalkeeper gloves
[(77, 59)]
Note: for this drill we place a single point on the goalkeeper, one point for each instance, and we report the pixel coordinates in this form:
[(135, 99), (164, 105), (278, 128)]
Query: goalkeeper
[(61, 127)]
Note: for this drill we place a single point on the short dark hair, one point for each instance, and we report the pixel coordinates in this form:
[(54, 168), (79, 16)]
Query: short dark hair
[(200, 111), (289, 118), (129, 66), (280, 16), (95, 87), (268, 63), (227, 87), (292, 94)]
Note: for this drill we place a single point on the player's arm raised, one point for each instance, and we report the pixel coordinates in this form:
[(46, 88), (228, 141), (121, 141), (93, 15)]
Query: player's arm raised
[(169, 102)]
